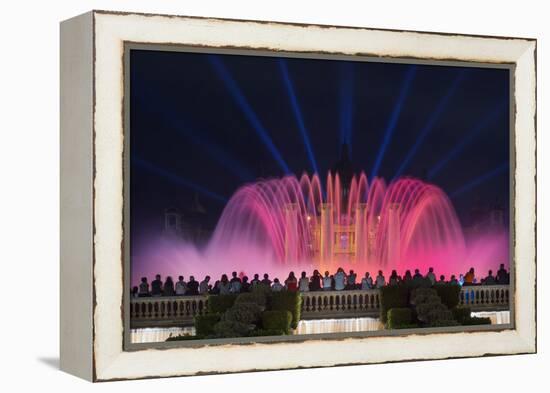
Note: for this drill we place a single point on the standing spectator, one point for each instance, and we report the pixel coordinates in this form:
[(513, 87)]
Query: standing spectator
[(431, 275), (216, 289), (169, 287), (366, 282), (339, 279), (315, 281), (203, 286), (235, 283), (394, 278), (181, 286), (255, 281), (407, 276), (304, 283), (224, 286), (469, 277), (156, 286), (266, 281), (441, 280), (144, 288), (453, 280), (417, 274), (503, 277), (276, 287), (380, 279), (352, 278), (245, 285), (327, 282), (291, 283), (490, 279), (134, 292), (192, 287)]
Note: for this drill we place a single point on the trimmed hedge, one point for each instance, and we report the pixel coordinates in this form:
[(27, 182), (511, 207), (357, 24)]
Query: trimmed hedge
[(218, 304), (476, 321), (461, 314), (256, 297), (247, 313), (232, 329), (288, 301), (204, 324), (277, 320), (449, 294), (392, 296), (398, 317)]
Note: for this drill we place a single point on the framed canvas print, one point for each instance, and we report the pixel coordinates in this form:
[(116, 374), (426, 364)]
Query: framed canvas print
[(245, 195)]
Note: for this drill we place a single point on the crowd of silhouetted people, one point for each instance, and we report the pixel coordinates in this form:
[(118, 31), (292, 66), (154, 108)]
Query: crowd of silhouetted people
[(339, 281)]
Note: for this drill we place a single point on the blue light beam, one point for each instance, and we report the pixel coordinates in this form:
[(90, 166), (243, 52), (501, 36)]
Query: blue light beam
[(177, 179), (480, 179), (297, 113), (230, 83), (432, 121), (484, 123), (213, 150), (390, 128)]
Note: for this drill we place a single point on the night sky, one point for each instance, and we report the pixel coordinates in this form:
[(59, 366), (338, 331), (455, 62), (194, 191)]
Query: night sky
[(206, 124)]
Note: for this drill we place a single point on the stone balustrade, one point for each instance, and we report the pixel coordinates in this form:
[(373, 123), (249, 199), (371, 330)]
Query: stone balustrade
[(180, 310)]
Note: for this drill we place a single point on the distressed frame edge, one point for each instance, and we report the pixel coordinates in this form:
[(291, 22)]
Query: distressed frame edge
[(76, 207), (530, 342)]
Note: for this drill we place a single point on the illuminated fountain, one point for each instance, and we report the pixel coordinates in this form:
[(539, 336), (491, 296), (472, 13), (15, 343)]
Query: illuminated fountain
[(282, 224)]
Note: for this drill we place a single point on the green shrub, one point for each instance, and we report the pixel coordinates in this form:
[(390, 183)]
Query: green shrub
[(461, 314), (232, 329), (424, 295), (256, 297), (288, 301), (247, 313), (408, 326), (398, 317), (277, 320), (204, 324), (444, 323), (449, 294), (419, 282), (392, 296), (476, 321), (266, 332), (185, 337), (218, 304)]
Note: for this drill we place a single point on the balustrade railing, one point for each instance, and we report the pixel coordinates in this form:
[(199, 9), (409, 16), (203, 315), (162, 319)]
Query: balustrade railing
[(180, 310)]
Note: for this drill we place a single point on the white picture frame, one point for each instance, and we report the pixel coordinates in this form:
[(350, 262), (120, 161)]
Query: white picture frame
[(92, 194)]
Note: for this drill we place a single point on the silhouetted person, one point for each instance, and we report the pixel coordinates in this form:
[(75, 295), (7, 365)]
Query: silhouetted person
[(327, 282), (340, 279), (380, 279), (503, 277), (169, 287), (441, 280), (490, 279), (407, 276), (144, 287), (134, 291), (352, 278), (453, 280), (431, 275), (469, 277), (291, 283), (156, 286), (394, 278), (245, 285), (266, 281), (224, 286), (315, 281), (256, 280), (192, 287), (181, 286), (417, 274), (366, 282), (277, 286), (235, 283), (203, 286), (303, 284)]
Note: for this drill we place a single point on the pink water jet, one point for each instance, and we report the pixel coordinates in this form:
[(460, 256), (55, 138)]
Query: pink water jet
[(283, 224)]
